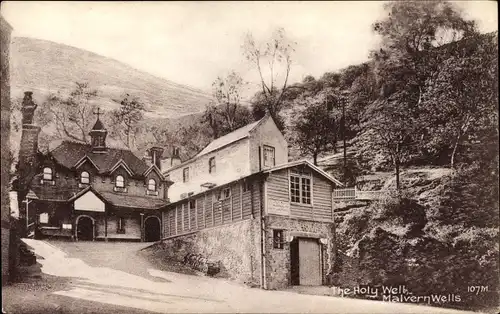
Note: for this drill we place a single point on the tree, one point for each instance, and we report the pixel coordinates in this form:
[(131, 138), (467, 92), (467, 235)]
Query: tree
[(393, 131), (315, 128), (273, 62), (460, 101), (72, 115), (126, 119), (408, 59), (226, 114)]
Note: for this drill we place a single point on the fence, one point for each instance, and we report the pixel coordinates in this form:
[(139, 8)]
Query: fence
[(355, 194)]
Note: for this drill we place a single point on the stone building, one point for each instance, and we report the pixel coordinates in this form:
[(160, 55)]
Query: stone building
[(89, 191), (266, 221), (5, 31)]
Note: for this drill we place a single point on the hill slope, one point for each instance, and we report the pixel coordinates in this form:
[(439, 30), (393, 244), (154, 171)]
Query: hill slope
[(44, 66)]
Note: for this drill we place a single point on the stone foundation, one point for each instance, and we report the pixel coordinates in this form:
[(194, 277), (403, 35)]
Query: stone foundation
[(278, 264), (236, 248)]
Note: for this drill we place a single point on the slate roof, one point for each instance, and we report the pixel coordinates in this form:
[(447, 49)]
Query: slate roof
[(62, 193), (131, 201), (232, 137), (68, 153)]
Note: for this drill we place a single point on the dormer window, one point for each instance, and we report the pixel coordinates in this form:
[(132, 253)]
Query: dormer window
[(185, 175), (119, 182), (151, 185), (47, 174), (85, 177)]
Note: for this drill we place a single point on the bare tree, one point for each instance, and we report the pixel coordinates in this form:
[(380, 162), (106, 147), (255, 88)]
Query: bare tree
[(273, 61), (226, 114), (126, 119), (72, 115)]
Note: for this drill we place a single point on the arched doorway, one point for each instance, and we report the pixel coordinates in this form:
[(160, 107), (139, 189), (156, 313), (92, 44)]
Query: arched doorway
[(85, 228), (152, 229)]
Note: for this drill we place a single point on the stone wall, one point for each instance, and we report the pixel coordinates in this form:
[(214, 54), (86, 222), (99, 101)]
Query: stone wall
[(234, 246), (5, 31), (278, 260)]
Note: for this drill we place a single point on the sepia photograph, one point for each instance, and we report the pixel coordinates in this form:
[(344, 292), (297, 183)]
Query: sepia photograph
[(249, 157)]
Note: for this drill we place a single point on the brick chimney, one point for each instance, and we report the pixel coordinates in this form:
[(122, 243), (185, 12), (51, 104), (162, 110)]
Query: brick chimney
[(28, 151), (156, 153)]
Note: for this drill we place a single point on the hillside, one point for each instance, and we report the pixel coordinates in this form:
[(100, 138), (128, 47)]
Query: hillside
[(44, 66)]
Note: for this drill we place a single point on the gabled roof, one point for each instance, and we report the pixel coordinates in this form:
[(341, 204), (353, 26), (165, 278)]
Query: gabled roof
[(69, 153), (115, 199), (232, 137), (153, 167), (305, 163)]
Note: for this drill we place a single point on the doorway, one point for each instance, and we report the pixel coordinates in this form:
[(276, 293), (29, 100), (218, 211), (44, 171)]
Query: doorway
[(152, 229), (85, 228), (305, 259)]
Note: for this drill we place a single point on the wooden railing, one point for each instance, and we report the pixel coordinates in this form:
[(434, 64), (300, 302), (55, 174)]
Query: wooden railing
[(355, 194)]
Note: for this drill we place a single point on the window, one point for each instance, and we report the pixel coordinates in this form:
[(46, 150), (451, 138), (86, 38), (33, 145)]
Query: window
[(85, 177), (278, 240), (211, 165), (222, 194), (227, 193), (185, 175), (44, 218), (151, 185), (192, 204), (306, 190), (300, 189), (47, 174), (246, 186), (120, 225), (295, 189), (119, 182), (269, 159)]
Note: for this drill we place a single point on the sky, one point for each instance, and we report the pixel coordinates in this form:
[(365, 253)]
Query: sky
[(192, 43)]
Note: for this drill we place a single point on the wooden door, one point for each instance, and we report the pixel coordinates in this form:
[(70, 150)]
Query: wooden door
[(309, 262)]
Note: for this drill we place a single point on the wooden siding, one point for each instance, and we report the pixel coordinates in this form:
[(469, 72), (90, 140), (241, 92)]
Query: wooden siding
[(321, 204), (209, 212)]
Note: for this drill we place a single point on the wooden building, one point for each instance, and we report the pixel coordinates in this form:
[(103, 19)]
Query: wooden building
[(89, 191), (272, 227)]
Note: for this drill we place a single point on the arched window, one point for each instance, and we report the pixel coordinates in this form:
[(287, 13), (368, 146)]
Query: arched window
[(47, 173), (85, 177), (152, 185), (119, 182)]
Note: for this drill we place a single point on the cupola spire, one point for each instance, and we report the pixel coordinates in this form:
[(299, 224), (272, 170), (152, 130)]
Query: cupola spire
[(98, 134)]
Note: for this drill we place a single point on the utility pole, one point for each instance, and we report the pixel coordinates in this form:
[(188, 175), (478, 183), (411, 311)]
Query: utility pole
[(343, 101)]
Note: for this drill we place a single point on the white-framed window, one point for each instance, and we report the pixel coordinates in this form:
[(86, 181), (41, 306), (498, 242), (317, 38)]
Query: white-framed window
[(185, 174), (300, 188), (151, 185), (47, 173), (211, 165), (84, 177), (119, 181), (269, 156)]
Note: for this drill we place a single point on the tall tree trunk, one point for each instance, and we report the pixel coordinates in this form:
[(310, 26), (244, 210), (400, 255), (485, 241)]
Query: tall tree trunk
[(454, 152), (398, 187)]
